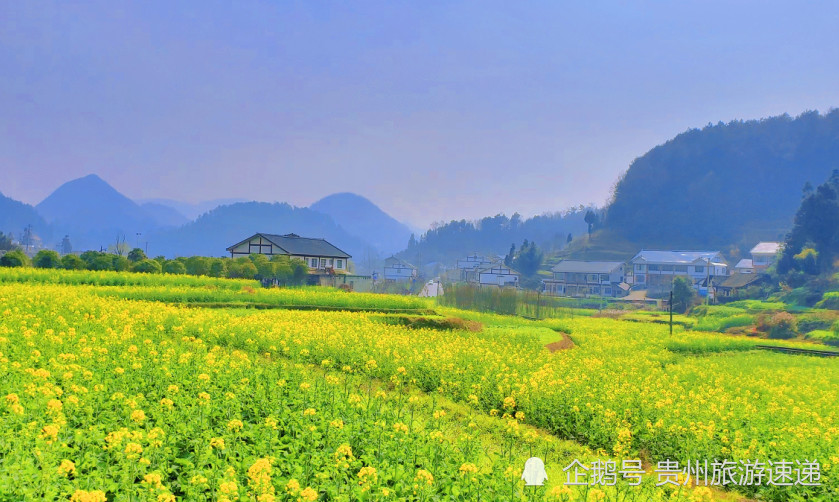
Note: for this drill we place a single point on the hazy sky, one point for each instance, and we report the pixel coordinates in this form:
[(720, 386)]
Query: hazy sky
[(433, 110)]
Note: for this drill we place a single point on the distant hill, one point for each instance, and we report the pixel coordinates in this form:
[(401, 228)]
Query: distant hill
[(494, 235), (188, 210), (93, 213), (15, 215), (365, 220), (163, 215), (725, 185), (212, 233)]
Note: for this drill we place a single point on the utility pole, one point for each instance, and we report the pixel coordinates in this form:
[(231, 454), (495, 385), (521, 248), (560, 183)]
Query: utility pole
[(671, 309)]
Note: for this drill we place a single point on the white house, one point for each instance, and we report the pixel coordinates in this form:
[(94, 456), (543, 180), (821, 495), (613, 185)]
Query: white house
[(763, 255), (468, 267), (587, 278), (745, 266), (654, 270), (397, 270), (498, 274), (319, 255)]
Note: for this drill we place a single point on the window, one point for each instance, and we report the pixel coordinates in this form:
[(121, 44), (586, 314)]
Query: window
[(607, 291), (639, 268), (313, 262), (591, 278), (699, 270), (640, 279), (604, 278), (681, 268), (559, 276), (654, 268), (667, 268), (339, 263), (323, 263)]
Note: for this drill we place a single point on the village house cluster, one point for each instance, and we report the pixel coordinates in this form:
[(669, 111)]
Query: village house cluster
[(649, 274)]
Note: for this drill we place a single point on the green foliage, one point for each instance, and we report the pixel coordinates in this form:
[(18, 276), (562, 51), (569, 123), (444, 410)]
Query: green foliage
[(5, 242), (136, 255), (72, 262), (14, 258), (174, 267), (493, 235), (813, 243), (46, 258), (683, 294), (781, 325), (746, 168), (147, 266)]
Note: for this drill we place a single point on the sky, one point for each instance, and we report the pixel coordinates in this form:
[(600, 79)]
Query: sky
[(432, 110)]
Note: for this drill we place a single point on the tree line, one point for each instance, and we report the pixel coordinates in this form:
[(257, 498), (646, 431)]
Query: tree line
[(278, 269)]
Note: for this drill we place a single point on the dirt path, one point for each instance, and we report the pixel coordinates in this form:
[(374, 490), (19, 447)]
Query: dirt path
[(565, 343)]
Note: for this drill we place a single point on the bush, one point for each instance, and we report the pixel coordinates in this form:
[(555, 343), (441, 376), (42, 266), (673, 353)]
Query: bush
[(147, 266), (46, 258), (14, 258), (72, 262), (174, 267), (780, 326)]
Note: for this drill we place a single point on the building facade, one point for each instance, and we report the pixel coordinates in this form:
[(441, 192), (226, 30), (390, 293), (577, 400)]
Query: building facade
[(318, 254), (587, 278), (499, 275), (654, 270), (397, 270)]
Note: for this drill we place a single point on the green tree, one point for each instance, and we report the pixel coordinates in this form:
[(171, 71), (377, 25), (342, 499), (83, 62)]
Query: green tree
[(46, 258), (591, 220), (174, 267), (218, 267), (5, 242), (120, 263), (136, 255), (683, 294), (529, 259), (147, 266), (197, 265), (14, 258), (72, 262)]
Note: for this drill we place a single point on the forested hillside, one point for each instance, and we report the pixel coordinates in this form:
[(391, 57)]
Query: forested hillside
[(493, 236), (724, 184)]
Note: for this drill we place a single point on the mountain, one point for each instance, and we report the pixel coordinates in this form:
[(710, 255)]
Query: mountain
[(723, 185), (213, 232), (163, 215), (191, 211), (365, 220), (93, 213), (15, 216)]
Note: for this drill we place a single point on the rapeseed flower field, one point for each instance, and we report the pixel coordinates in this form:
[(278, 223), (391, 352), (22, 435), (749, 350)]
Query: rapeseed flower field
[(116, 392)]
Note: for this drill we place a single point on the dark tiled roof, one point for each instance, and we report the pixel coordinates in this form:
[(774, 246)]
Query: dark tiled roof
[(589, 267), (293, 244), (741, 280)]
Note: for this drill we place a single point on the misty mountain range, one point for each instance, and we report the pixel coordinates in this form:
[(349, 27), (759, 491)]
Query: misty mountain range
[(95, 215)]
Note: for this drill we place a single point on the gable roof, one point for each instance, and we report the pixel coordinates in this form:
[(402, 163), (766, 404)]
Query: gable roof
[(741, 280), (744, 263), (592, 267), (394, 261), (499, 267), (766, 248), (679, 257), (293, 244)]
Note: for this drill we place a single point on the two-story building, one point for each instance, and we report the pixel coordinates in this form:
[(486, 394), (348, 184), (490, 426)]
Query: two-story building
[(468, 267), (318, 254), (764, 254), (499, 275), (587, 278), (655, 270), (397, 270)]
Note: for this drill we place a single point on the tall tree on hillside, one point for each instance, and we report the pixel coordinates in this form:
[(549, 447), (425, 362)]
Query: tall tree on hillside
[(816, 227), (591, 220), (529, 259), (508, 260)]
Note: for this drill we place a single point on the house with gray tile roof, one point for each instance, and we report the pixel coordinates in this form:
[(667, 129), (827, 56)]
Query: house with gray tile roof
[(580, 279), (318, 254)]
